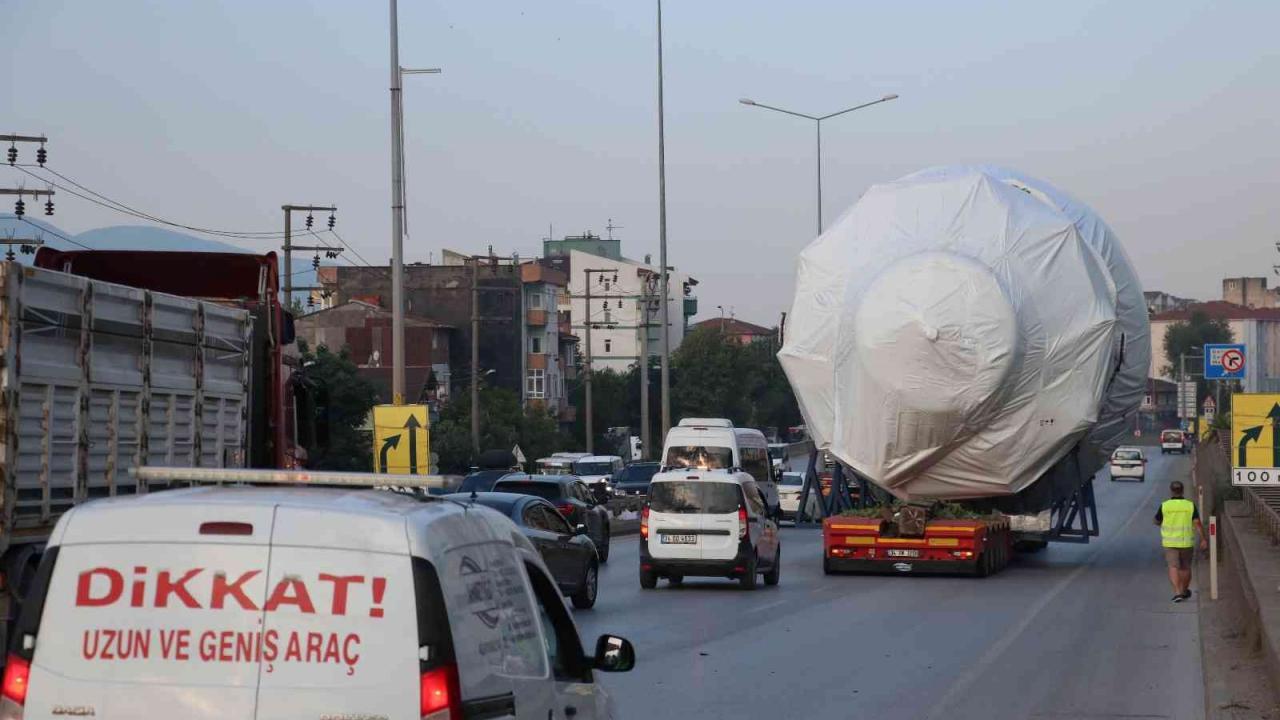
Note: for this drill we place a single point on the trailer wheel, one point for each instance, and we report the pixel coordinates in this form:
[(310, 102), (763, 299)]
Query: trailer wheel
[(826, 566)]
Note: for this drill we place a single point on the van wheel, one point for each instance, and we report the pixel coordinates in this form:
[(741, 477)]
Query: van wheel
[(774, 574), (586, 595), (648, 580), (748, 578)]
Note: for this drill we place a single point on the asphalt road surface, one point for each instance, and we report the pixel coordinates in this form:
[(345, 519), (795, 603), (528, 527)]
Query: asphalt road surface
[(1075, 631)]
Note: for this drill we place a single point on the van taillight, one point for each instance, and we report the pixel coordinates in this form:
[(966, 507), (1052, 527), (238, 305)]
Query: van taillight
[(644, 523), (742, 523), (17, 672), (441, 697)]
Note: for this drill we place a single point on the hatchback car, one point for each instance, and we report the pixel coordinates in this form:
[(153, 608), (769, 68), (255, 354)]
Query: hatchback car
[(1128, 463), (634, 478), (790, 485), (713, 524), (572, 498), (288, 602), (567, 551), (1172, 441)]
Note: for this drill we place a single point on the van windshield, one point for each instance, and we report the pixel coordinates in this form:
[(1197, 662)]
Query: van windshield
[(699, 496), (593, 468), (700, 457)]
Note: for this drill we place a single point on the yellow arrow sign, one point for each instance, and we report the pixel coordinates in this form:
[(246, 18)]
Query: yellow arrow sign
[(1255, 430), (401, 440)]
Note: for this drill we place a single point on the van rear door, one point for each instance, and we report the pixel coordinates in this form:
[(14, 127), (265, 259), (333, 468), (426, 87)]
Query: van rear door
[(693, 519), (341, 617), (153, 613)]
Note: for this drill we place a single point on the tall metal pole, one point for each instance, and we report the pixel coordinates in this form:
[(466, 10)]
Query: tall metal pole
[(819, 124), (475, 357), (587, 370), (645, 299), (288, 259), (662, 245), (397, 225)]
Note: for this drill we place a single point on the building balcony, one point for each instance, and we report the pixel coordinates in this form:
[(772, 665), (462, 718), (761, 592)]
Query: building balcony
[(536, 317), (537, 361)]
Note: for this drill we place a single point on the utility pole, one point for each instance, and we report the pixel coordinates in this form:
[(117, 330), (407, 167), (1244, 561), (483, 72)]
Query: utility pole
[(26, 246), (662, 245), (646, 315), (475, 357), (20, 206), (290, 248), (587, 370)]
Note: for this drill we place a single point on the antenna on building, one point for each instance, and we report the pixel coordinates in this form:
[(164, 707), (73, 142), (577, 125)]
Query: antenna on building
[(611, 227)]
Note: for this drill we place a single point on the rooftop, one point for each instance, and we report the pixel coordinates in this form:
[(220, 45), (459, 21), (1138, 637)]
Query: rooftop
[(1219, 310)]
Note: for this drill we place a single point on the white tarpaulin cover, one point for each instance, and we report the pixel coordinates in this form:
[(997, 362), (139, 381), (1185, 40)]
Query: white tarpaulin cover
[(958, 332)]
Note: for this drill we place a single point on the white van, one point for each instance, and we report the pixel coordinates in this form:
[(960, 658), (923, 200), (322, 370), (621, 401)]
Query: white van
[(297, 602), (598, 471), (710, 524), (712, 444)]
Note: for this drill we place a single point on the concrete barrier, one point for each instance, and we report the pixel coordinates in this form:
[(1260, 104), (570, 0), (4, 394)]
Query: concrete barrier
[(1257, 563)]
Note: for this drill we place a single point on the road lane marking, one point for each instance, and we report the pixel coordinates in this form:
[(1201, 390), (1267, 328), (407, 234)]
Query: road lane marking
[(949, 699), (762, 608)]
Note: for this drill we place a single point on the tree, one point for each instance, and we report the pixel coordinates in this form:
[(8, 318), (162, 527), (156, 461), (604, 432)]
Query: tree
[(339, 414), (1190, 336), (503, 425)]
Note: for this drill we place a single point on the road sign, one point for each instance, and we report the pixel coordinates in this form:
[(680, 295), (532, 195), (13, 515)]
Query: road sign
[(1187, 399), (520, 458), (401, 440), (1255, 439), (1224, 361)]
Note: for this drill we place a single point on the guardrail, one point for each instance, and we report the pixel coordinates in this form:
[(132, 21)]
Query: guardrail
[(1264, 505)]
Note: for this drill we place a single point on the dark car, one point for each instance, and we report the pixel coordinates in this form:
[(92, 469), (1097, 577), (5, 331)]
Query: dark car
[(571, 497), (484, 480), (634, 478), (569, 553)]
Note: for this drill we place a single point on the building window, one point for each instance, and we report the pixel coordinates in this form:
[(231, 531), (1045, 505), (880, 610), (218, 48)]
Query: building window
[(535, 344), (535, 300), (536, 384), (608, 345)]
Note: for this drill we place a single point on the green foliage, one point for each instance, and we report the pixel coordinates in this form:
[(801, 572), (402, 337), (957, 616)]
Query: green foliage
[(503, 425), (716, 376), (343, 402), (1190, 337)]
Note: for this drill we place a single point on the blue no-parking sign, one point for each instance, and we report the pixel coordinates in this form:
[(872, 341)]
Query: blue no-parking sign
[(1224, 361)]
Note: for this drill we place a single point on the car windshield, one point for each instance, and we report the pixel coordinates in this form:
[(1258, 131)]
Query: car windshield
[(792, 479), (1127, 455), (545, 490), (636, 474), (700, 457), (1171, 436), (593, 468), (481, 481), (699, 496)]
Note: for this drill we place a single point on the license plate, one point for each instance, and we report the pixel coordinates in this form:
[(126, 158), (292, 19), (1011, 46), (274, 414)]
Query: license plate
[(897, 552), (679, 539)]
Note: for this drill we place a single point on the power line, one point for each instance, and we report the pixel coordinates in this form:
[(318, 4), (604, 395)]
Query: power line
[(55, 233)]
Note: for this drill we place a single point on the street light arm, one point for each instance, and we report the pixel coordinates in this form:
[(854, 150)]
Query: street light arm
[(886, 98), (753, 103)]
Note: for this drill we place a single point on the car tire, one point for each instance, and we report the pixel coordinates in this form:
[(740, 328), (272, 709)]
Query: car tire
[(675, 579), (585, 598), (774, 574), (648, 580), (748, 579), (603, 550)]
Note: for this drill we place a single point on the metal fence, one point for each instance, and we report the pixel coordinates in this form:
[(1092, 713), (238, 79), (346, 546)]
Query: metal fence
[(1211, 469)]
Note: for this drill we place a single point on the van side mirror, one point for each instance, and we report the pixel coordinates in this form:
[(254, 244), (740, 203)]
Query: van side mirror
[(614, 654)]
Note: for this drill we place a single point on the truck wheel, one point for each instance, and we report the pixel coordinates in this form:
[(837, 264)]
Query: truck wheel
[(748, 578), (775, 571), (648, 580), (826, 566)]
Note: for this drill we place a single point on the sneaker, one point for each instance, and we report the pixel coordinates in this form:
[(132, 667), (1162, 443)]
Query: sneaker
[(1186, 595), (1179, 598)]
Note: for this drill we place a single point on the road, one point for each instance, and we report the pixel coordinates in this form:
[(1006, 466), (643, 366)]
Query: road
[(1076, 631)]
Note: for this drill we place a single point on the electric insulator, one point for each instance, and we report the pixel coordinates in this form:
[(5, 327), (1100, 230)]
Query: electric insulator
[(19, 208), (9, 255), (13, 154), (615, 278), (315, 261), (42, 156), (311, 301), (309, 221), (332, 221), (27, 249), (48, 207)]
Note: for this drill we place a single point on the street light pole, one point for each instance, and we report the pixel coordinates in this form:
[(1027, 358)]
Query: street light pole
[(662, 246), (817, 119)]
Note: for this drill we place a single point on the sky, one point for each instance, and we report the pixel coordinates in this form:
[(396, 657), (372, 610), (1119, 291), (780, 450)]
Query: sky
[(1163, 116)]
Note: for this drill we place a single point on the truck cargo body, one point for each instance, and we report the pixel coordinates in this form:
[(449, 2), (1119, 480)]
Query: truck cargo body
[(97, 378)]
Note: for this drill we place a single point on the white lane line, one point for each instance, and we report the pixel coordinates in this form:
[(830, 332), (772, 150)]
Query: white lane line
[(762, 608), (945, 704)]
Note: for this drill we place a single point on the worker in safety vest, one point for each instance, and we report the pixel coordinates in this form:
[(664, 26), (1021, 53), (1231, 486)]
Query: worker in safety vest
[(1179, 523)]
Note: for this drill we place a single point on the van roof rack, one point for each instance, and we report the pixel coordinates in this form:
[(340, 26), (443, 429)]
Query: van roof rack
[(284, 477)]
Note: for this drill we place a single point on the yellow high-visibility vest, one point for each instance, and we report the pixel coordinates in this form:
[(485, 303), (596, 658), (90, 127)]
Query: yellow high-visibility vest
[(1176, 530)]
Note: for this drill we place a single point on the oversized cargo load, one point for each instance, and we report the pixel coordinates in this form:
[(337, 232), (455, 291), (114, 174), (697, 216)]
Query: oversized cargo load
[(968, 333)]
